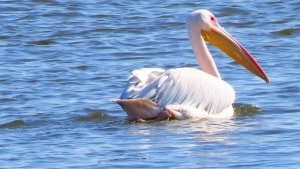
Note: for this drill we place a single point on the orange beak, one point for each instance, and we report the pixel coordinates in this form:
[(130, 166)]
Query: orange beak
[(224, 41)]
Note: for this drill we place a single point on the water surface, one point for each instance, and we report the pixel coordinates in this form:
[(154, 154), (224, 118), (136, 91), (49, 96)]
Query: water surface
[(62, 62)]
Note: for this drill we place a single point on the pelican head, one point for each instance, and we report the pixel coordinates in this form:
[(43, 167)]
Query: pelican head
[(206, 24)]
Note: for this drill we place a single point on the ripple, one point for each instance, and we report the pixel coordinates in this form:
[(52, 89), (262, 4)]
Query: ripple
[(243, 24), (44, 1), (171, 24), (3, 37), (233, 10), (279, 22), (42, 42), (246, 109), (287, 32), (3, 80), (7, 99), (63, 14), (82, 67), (12, 124), (105, 16), (274, 131), (181, 4), (94, 116)]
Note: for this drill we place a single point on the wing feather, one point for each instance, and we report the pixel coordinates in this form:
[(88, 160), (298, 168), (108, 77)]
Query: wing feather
[(184, 88)]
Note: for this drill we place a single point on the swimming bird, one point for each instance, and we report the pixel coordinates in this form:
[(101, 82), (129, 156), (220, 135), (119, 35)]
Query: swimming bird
[(181, 93)]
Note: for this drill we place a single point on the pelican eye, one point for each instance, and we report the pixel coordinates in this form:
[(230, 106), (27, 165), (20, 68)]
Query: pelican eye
[(212, 18)]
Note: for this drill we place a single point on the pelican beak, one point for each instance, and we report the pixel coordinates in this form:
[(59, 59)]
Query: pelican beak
[(224, 41)]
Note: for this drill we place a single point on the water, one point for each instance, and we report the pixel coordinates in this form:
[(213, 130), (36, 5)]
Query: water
[(62, 62)]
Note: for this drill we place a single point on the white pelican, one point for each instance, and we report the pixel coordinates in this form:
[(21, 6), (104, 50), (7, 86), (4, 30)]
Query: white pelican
[(154, 93)]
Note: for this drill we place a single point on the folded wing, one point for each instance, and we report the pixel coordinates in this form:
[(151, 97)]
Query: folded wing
[(188, 90)]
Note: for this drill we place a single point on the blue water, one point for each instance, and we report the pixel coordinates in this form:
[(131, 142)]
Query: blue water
[(62, 62)]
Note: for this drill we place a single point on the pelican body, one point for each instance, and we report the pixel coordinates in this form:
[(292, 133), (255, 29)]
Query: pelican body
[(155, 93)]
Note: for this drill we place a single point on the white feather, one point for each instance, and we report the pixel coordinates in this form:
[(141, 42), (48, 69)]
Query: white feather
[(188, 92)]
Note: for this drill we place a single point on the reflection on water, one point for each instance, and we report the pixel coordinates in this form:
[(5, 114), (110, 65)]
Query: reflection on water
[(203, 130), (205, 125)]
